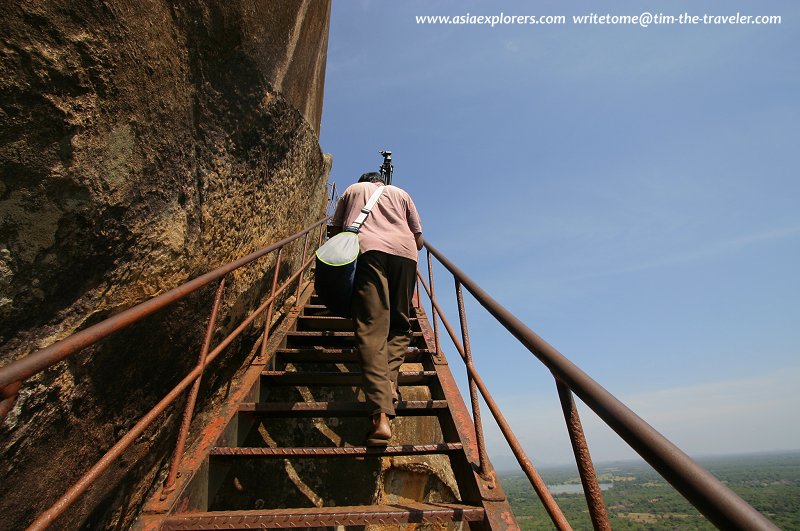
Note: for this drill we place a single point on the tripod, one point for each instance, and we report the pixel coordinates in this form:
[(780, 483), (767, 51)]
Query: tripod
[(387, 167)]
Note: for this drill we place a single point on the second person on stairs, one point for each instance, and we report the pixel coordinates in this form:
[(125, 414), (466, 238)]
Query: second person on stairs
[(384, 284)]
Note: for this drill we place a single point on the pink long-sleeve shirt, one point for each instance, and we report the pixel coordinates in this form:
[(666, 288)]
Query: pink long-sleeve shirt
[(390, 226)]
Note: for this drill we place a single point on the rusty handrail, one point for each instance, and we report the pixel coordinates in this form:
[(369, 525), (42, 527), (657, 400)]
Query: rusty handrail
[(13, 374), (24, 368), (550, 505), (80, 486), (716, 501)]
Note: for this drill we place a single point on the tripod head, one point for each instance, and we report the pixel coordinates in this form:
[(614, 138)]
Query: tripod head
[(387, 167)]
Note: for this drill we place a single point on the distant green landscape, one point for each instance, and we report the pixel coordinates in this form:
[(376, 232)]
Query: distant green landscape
[(641, 499)]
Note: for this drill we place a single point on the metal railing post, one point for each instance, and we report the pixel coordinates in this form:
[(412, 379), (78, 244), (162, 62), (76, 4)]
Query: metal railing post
[(300, 278), (433, 297), (268, 321), (524, 461), (483, 459), (169, 483), (322, 234), (591, 488)]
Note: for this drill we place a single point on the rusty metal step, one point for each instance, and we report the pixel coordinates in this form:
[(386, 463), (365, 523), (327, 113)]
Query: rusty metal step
[(340, 409), (405, 513), (328, 338), (337, 378), (324, 322), (328, 322), (315, 309), (346, 451), (336, 355), (320, 338)]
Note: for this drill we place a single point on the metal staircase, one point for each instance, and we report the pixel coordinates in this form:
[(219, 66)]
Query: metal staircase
[(300, 404), (284, 448)]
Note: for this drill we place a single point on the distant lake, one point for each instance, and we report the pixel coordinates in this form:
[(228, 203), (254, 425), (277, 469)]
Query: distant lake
[(573, 488)]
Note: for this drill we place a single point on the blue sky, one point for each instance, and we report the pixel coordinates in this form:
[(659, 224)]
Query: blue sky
[(630, 193)]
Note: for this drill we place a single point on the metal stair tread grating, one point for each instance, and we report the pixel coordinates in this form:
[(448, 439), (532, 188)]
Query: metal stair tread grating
[(322, 318), (334, 355), (407, 512), (338, 378), (346, 451), (330, 333), (320, 409)]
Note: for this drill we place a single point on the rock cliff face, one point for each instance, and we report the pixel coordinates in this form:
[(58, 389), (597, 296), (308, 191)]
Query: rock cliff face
[(142, 144)]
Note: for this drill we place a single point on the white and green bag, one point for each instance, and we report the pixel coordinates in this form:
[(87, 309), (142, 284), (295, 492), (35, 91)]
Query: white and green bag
[(336, 263)]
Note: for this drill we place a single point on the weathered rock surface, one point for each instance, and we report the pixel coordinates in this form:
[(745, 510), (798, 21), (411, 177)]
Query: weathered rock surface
[(142, 144)]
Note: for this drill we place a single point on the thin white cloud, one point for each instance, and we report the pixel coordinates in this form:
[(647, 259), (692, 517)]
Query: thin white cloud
[(736, 416), (509, 242), (711, 250), (562, 276), (745, 415)]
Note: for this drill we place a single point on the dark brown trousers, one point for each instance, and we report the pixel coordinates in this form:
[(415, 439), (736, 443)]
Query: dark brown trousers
[(384, 285)]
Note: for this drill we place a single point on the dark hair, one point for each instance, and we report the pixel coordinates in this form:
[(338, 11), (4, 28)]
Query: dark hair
[(371, 177)]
